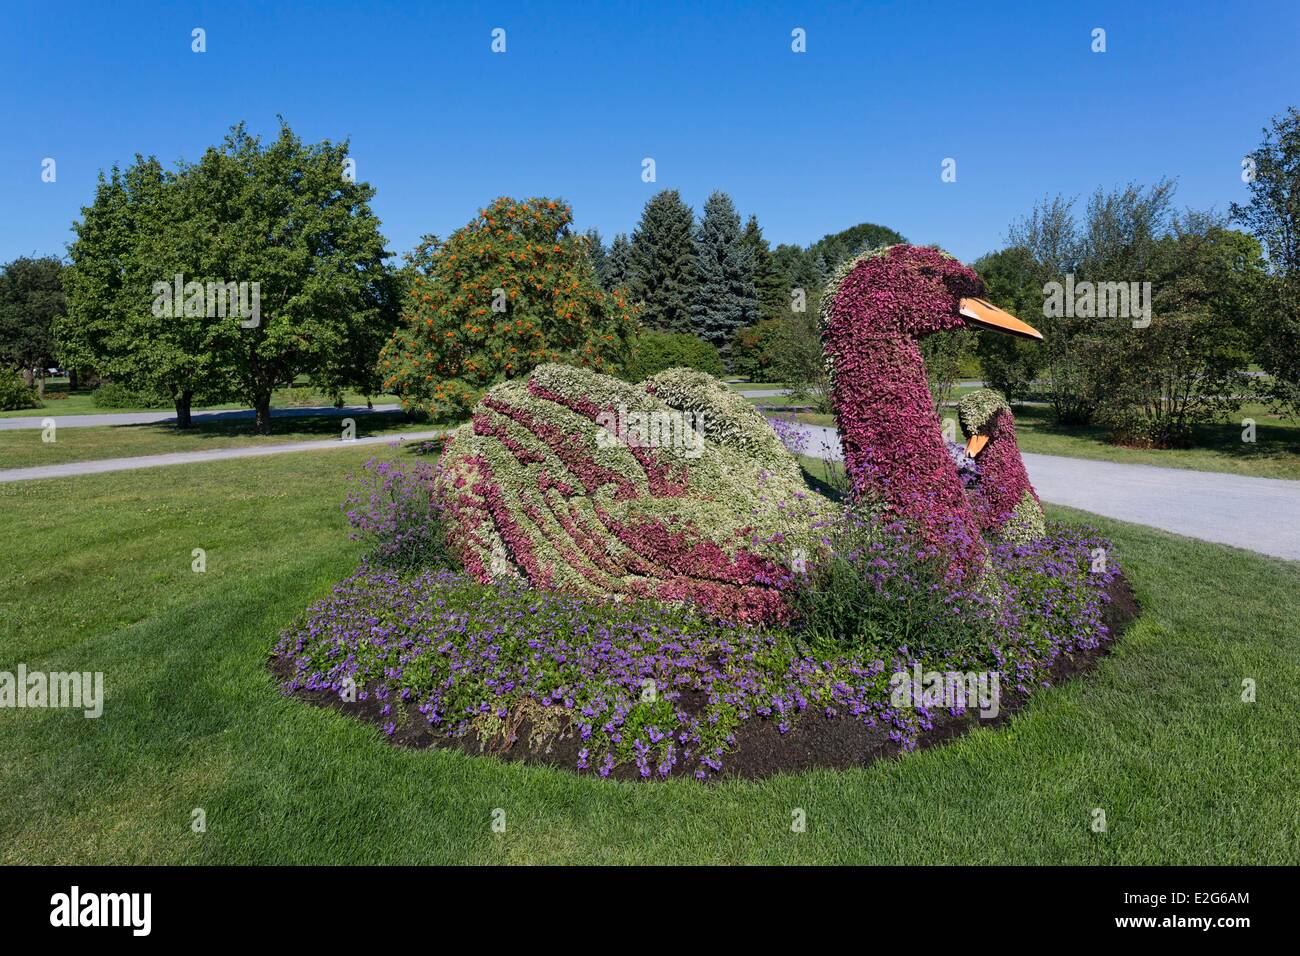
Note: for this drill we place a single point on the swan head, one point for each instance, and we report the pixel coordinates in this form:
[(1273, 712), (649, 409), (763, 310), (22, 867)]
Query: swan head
[(981, 413), (913, 291)]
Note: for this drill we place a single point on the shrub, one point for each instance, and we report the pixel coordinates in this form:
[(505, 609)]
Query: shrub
[(1189, 364), (676, 489), (652, 352), (755, 349), (507, 292), (116, 395), (300, 396), (15, 393), (878, 588), (1013, 280), (800, 361), (395, 510)]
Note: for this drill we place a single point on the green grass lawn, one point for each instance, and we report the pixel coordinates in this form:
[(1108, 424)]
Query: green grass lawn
[(23, 448), (1274, 454), (59, 400), (97, 576)]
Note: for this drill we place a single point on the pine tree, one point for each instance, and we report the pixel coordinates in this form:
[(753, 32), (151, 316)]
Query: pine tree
[(797, 271), (771, 289), (664, 271), (618, 263), (596, 255), (726, 299)]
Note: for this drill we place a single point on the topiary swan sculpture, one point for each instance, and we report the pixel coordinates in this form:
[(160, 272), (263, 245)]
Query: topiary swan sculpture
[(875, 311), (678, 489)]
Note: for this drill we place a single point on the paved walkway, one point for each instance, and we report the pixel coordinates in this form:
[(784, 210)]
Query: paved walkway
[(152, 418), (188, 457), (1258, 514)]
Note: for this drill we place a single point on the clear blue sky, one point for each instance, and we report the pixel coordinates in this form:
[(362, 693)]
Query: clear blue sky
[(853, 130)]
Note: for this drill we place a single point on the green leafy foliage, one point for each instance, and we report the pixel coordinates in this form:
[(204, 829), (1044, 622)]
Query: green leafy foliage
[(874, 591), (15, 393), (1013, 281), (117, 395), (507, 292), (326, 299), (31, 299), (1273, 216), (1149, 381), (652, 352), (755, 350)]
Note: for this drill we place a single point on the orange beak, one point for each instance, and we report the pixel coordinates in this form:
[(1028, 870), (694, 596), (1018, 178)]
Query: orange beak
[(976, 444), (986, 315)]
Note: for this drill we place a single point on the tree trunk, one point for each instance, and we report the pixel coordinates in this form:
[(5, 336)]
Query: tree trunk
[(72, 380), (263, 405), (183, 400), (29, 377), (40, 386)]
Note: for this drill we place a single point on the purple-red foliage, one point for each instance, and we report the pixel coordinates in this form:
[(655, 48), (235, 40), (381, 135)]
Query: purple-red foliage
[(892, 437)]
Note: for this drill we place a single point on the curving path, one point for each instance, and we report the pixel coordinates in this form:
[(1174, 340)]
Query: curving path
[(1257, 514), (98, 466)]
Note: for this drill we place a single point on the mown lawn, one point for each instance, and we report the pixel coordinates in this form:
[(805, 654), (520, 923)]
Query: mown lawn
[(24, 448), (60, 400), (1275, 453), (96, 575)]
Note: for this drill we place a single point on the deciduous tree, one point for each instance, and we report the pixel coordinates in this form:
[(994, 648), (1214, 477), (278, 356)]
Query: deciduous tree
[(508, 291), (31, 300)]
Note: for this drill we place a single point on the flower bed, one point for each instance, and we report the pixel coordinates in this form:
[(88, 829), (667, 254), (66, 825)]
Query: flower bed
[(649, 690), (637, 579)]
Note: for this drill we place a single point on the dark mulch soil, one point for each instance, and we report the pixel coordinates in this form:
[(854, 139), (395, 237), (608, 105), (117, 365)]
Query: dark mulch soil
[(761, 749)]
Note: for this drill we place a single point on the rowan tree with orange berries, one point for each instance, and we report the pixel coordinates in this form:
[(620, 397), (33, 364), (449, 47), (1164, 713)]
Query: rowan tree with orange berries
[(511, 290)]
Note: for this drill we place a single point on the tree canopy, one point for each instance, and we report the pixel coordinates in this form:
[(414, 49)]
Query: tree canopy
[(31, 300), (508, 291), (281, 268), (665, 275), (726, 299)]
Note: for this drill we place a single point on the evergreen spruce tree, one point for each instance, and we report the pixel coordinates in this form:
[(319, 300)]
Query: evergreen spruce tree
[(797, 271), (726, 300), (618, 264), (664, 271), (597, 256), (769, 286)]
